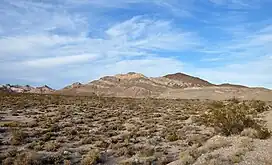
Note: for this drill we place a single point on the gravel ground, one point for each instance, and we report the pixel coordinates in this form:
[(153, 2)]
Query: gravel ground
[(234, 150), (262, 154)]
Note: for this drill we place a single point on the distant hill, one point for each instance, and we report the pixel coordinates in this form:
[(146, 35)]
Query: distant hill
[(26, 89), (232, 85), (189, 80), (137, 85), (121, 85)]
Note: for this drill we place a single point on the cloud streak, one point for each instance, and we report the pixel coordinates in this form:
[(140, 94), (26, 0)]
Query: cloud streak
[(56, 61), (66, 41)]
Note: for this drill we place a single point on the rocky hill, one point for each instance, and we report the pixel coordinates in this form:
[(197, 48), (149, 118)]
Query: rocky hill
[(189, 81), (26, 89), (176, 85), (120, 85), (134, 85), (137, 85)]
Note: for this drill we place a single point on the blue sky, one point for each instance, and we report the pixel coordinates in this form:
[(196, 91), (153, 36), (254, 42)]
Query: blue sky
[(58, 42)]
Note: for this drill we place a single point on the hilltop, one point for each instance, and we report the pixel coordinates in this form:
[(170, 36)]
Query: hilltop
[(178, 85)]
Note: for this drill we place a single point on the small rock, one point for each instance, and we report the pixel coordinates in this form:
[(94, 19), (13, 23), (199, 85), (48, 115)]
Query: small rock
[(66, 152), (109, 151), (136, 160)]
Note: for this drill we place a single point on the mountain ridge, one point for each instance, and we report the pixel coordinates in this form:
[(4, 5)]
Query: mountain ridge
[(137, 85), (26, 89), (134, 84)]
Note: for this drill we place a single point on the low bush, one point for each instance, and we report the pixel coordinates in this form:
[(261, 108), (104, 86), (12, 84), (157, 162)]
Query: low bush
[(91, 158), (259, 106), (51, 146), (18, 137), (172, 137), (233, 118)]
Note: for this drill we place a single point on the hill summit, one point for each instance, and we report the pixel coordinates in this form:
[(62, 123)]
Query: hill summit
[(134, 84), (190, 80)]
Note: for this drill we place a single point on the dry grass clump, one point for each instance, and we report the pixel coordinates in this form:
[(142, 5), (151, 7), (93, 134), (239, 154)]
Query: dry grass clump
[(146, 152), (189, 155), (91, 158), (36, 145), (32, 158), (51, 146), (259, 106), (172, 137), (186, 158), (27, 158), (9, 124), (87, 140), (18, 137)]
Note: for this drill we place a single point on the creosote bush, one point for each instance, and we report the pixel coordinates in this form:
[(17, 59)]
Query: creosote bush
[(259, 106), (172, 137), (234, 117), (18, 137), (91, 158), (33, 158)]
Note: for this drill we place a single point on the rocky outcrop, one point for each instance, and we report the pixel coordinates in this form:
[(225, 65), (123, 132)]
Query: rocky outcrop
[(129, 76), (74, 85)]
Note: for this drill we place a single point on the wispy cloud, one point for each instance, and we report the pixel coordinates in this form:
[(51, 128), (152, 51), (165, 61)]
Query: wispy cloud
[(146, 34), (238, 4), (70, 40), (56, 44), (56, 61), (252, 44)]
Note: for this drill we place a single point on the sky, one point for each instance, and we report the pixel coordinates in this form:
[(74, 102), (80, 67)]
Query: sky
[(58, 42)]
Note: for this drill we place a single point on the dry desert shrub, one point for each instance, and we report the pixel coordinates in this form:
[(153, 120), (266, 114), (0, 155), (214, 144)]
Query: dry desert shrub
[(172, 137), (91, 158), (233, 118), (146, 152), (10, 124), (18, 137), (121, 125), (36, 145), (32, 158), (51, 146), (27, 158)]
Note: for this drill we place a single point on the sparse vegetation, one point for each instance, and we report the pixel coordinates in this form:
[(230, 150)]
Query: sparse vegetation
[(259, 106), (91, 158), (233, 117), (18, 137), (172, 137), (89, 130), (51, 146)]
